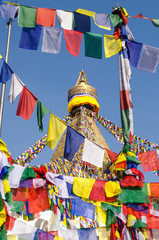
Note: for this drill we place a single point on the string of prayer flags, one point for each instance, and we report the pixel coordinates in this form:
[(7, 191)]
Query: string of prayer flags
[(30, 38), (82, 22), (93, 45), (72, 143), (66, 19), (27, 17), (7, 11), (149, 160), (51, 40), (46, 17), (155, 22), (92, 153), (102, 20), (41, 112), (26, 104), (73, 41), (143, 57), (111, 45), (55, 130), (15, 88), (125, 97)]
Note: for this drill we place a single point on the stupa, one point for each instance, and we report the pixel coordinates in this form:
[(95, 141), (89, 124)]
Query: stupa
[(83, 107)]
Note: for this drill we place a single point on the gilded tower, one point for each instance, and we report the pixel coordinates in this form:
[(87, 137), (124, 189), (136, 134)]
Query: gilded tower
[(83, 106)]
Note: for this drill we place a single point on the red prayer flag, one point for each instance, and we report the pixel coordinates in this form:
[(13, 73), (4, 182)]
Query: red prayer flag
[(98, 192), (46, 17), (131, 181), (141, 16), (113, 156), (125, 20), (38, 199), (149, 160), (9, 223), (154, 189), (73, 41), (26, 104)]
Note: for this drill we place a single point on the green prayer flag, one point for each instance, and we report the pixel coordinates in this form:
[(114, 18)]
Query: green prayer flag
[(3, 233), (16, 206), (134, 195), (28, 173), (1, 203), (111, 218), (41, 112), (115, 19), (93, 45), (133, 159), (155, 22), (114, 209), (27, 17), (139, 224)]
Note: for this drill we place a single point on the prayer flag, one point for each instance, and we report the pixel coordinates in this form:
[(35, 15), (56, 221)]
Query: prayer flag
[(87, 234), (82, 208), (140, 16), (134, 195), (92, 153), (30, 38), (149, 160), (155, 22), (51, 40), (3, 164), (26, 104), (82, 186), (125, 97), (93, 45), (82, 22), (143, 57), (73, 41), (27, 17), (55, 130), (111, 45), (112, 188), (102, 20), (66, 19), (85, 12), (72, 144), (41, 112), (15, 176), (115, 19), (15, 88), (7, 11), (6, 73), (46, 17)]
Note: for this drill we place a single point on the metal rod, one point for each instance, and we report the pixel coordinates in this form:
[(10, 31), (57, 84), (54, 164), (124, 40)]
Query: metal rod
[(4, 84)]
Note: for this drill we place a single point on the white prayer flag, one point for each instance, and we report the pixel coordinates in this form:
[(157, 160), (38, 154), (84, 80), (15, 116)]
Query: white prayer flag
[(92, 153)]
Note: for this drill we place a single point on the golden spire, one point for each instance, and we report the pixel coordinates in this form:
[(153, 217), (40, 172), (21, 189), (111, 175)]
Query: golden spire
[(82, 87)]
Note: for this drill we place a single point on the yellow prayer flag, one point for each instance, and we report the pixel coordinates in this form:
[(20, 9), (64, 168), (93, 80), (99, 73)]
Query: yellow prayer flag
[(58, 238), (121, 158), (117, 234), (83, 186), (112, 188), (103, 234), (1, 56), (55, 130), (12, 237), (131, 154), (111, 45), (101, 215), (6, 186), (85, 12), (131, 220), (2, 217)]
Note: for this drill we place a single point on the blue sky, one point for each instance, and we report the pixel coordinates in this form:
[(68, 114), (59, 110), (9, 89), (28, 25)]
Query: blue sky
[(50, 76)]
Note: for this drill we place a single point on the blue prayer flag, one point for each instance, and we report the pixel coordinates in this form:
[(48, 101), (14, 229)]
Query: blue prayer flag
[(134, 50), (7, 11), (6, 73), (82, 22), (87, 234), (72, 144), (30, 38)]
